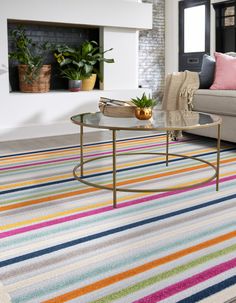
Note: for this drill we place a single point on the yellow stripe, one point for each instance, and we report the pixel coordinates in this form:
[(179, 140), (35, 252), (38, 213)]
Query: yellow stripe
[(34, 182), (83, 208), (124, 275), (103, 147), (68, 212), (89, 171), (60, 177)]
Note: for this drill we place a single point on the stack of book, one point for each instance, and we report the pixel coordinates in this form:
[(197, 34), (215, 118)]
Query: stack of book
[(116, 108)]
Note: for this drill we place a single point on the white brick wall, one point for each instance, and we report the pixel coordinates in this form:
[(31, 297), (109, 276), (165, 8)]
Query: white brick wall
[(152, 51)]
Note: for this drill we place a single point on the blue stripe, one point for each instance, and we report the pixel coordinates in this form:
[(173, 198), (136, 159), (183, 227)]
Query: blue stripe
[(77, 146), (112, 231), (103, 173), (153, 163), (210, 291), (36, 186)]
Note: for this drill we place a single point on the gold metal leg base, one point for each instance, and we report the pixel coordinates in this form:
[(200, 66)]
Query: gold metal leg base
[(146, 190)]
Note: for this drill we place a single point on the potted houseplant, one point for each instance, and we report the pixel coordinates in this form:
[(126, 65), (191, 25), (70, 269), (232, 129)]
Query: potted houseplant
[(144, 105), (71, 72), (34, 75), (75, 78), (85, 59), (69, 68), (92, 55)]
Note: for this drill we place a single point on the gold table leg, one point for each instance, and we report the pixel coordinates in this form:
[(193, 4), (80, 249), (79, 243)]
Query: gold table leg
[(114, 188), (218, 158), (114, 167), (167, 148), (81, 152)]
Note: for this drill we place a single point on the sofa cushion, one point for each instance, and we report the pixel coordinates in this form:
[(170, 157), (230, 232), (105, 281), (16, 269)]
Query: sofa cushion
[(222, 102), (206, 75), (225, 72)]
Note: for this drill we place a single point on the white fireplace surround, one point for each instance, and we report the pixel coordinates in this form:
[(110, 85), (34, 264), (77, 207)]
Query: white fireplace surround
[(29, 115)]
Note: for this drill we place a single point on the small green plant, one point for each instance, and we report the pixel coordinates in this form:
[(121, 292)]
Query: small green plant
[(144, 101), (29, 53), (71, 74), (82, 59)]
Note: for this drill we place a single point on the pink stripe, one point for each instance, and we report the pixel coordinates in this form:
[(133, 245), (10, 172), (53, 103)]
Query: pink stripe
[(187, 283), (102, 210), (38, 163), (54, 222), (170, 193), (88, 156)]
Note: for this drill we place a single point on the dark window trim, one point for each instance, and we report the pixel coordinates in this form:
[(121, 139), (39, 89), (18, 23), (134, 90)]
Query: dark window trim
[(220, 25), (219, 11)]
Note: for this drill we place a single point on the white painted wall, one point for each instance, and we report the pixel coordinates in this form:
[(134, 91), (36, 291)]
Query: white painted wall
[(25, 115), (39, 115), (171, 34), (125, 51), (115, 13)]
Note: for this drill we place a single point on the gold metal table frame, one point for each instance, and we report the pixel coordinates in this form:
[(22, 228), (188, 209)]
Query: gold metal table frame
[(114, 156)]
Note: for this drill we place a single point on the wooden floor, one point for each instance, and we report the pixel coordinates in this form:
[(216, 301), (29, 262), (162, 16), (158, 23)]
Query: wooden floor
[(9, 147)]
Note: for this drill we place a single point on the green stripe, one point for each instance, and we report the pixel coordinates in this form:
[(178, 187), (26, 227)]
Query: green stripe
[(73, 279), (165, 275), (43, 192), (130, 211), (78, 186), (69, 162)]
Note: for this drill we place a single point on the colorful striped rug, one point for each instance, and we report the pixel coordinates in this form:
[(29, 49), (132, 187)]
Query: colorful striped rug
[(61, 241)]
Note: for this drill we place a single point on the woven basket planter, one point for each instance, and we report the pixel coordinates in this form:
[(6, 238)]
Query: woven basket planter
[(40, 85)]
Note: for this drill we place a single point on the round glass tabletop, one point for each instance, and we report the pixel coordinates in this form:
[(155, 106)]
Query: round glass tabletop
[(161, 120)]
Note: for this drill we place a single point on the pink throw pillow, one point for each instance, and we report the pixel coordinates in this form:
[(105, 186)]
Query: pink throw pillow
[(225, 72)]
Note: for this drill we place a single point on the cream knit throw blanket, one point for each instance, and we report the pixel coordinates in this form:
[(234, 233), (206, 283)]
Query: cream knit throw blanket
[(178, 94), (179, 90)]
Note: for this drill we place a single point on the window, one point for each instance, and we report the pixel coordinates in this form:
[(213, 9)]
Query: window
[(194, 33), (225, 26), (194, 29), (229, 16)]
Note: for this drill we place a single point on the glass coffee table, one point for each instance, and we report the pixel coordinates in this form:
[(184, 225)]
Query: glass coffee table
[(167, 121)]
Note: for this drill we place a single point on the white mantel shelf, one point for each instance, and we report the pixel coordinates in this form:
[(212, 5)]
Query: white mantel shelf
[(94, 92), (114, 13)]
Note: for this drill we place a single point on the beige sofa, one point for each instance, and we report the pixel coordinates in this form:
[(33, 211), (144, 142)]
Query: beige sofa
[(220, 102)]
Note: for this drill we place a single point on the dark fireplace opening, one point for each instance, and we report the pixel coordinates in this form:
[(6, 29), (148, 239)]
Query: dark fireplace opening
[(69, 34)]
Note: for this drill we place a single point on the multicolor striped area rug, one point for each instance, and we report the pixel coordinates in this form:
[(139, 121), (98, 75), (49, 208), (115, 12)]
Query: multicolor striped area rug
[(61, 241)]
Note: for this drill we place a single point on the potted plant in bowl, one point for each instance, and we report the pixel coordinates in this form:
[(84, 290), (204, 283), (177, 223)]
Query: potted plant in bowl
[(68, 59), (144, 105), (69, 70), (34, 75), (75, 78), (85, 59)]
